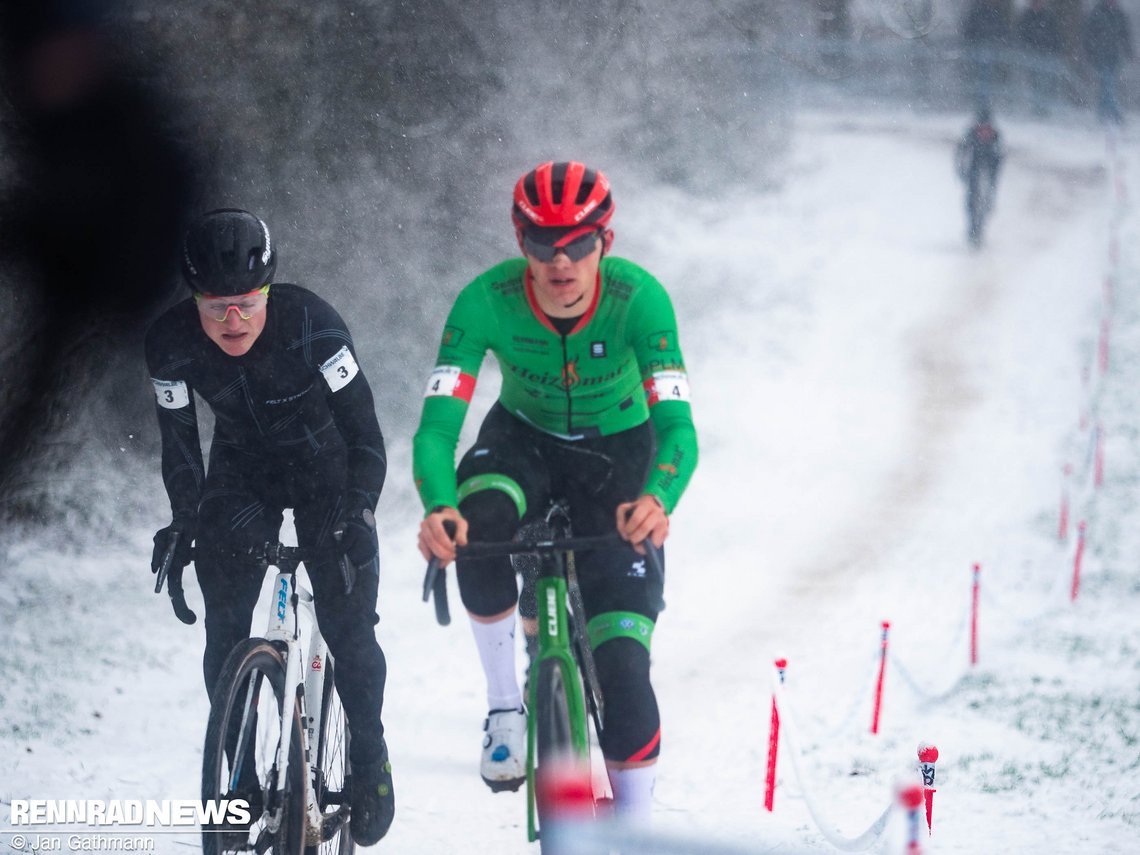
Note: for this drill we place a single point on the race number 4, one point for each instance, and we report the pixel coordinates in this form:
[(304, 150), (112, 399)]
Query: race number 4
[(667, 386), (171, 394), (339, 371), (450, 381)]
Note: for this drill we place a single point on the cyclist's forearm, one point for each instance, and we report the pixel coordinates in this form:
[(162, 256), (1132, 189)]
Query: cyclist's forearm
[(183, 470), (354, 411), (676, 457), (433, 454)]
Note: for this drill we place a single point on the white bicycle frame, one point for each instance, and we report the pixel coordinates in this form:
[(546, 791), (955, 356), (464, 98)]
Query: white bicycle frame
[(284, 627)]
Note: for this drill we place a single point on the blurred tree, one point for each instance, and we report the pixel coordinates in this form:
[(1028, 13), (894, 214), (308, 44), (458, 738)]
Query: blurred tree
[(1069, 16)]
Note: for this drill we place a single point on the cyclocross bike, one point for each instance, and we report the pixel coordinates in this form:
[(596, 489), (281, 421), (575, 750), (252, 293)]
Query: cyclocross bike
[(276, 735), (563, 682)]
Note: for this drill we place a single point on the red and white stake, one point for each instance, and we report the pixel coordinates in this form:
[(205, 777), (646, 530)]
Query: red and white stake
[(927, 757), (974, 614), (1077, 561), (910, 800), (879, 681), (1102, 346), (773, 743)]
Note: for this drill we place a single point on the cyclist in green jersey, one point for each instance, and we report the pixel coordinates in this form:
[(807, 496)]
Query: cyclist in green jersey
[(594, 410)]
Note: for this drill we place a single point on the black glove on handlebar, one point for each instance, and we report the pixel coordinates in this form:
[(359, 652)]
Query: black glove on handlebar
[(162, 540), (357, 541)]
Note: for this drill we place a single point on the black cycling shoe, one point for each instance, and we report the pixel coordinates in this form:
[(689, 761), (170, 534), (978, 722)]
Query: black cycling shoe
[(373, 800)]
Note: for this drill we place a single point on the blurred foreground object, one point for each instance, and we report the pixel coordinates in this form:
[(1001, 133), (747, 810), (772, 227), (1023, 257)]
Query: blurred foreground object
[(94, 199)]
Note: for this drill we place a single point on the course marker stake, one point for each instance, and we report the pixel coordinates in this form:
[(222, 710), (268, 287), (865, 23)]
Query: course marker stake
[(910, 800), (773, 743), (882, 674), (927, 757), (1077, 561), (974, 613), (1063, 521), (1098, 460)]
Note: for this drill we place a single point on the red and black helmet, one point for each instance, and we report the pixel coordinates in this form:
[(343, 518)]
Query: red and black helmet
[(562, 195)]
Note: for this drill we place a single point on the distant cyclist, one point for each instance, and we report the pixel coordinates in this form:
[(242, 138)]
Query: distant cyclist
[(978, 158), (594, 409), (294, 427)]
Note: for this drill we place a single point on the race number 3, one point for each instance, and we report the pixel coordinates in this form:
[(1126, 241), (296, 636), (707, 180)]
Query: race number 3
[(667, 386), (171, 394), (339, 371)]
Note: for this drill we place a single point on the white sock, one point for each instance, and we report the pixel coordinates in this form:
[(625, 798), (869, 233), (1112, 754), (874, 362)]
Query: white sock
[(633, 791), (496, 644)]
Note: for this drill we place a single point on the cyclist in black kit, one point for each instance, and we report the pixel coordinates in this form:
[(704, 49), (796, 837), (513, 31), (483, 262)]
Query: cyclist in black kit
[(295, 427)]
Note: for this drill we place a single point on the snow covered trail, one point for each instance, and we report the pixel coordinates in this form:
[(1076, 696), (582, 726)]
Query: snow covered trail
[(878, 407)]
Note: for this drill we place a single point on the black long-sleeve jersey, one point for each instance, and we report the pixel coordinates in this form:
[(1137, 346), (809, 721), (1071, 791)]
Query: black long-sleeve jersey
[(295, 397)]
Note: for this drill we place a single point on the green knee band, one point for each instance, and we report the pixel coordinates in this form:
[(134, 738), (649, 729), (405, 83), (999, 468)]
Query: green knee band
[(609, 625), (495, 481)]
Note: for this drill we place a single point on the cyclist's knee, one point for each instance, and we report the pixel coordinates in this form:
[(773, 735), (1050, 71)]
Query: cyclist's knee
[(632, 727), (492, 513), (487, 586)]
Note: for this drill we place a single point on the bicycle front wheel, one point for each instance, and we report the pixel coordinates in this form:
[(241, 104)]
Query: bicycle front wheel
[(241, 757), (331, 773), (556, 761)]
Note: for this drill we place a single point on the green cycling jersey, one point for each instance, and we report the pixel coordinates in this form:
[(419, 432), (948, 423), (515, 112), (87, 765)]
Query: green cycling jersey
[(619, 365)]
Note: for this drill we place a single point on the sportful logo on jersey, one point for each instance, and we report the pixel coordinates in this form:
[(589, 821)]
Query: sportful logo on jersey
[(339, 371), (598, 349), (450, 381), (171, 394), (667, 386)]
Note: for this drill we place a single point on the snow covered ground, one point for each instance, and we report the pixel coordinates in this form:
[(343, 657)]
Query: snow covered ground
[(879, 407)]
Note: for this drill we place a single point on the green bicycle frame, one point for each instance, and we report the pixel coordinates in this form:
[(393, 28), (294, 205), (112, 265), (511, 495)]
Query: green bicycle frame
[(553, 643)]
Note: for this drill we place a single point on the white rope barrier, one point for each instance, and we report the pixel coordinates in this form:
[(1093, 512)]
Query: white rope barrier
[(790, 737)]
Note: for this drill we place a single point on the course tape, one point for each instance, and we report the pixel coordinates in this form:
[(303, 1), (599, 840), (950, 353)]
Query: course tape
[(955, 651), (790, 736)]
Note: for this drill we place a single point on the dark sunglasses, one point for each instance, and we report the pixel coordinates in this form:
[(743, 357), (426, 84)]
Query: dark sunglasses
[(575, 250)]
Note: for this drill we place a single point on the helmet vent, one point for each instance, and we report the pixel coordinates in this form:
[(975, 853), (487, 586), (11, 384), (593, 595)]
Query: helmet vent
[(586, 187), (558, 182), (530, 187)]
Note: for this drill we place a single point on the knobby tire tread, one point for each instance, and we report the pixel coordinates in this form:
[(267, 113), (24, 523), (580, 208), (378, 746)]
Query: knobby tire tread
[(252, 655)]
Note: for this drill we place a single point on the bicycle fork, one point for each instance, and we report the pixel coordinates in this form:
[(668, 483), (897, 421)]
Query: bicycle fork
[(553, 644), (309, 673)]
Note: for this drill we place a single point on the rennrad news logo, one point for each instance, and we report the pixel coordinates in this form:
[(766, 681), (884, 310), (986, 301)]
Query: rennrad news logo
[(129, 812)]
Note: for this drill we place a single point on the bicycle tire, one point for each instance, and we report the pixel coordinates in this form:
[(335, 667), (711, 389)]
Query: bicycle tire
[(332, 771), (256, 660), (553, 740)]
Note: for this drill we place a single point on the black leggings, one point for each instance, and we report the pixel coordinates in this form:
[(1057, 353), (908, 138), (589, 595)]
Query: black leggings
[(241, 507), (507, 480)]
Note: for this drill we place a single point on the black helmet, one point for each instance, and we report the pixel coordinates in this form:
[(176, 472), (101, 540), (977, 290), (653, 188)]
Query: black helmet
[(228, 252)]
